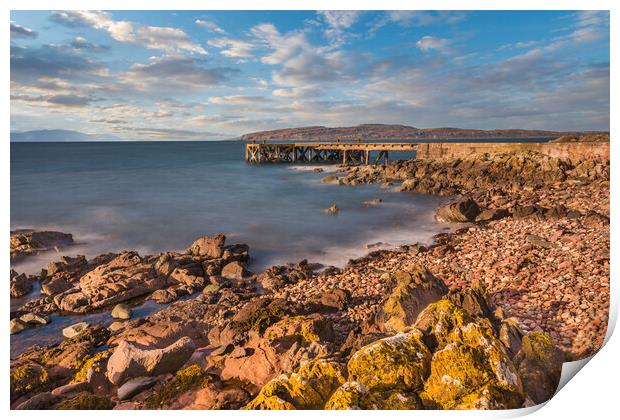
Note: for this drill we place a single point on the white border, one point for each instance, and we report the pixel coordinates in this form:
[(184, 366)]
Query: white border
[(594, 394)]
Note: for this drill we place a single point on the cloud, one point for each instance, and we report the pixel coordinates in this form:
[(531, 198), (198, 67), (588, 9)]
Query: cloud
[(68, 101), (297, 93), (209, 25), (172, 72), (152, 37), (232, 47), (18, 31), (238, 99), (429, 43), (167, 133), (337, 24), (51, 61), (299, 63), (80, 43), (415, 18)]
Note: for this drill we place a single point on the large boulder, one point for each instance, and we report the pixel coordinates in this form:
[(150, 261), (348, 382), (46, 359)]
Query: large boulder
[(438, 320), (133, 360), (413, 290), (208, 246), (308, 388), (21, 284), (473, 371), (462, 211), (308, 328), (28, 379), (396, 363), (539, 363), (26, 242), (125, 277)]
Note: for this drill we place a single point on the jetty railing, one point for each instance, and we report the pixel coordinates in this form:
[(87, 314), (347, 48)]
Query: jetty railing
[(350, 153)]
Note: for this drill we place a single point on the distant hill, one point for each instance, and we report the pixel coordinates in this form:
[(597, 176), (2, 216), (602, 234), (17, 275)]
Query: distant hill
[(387, 131), (57, 135)]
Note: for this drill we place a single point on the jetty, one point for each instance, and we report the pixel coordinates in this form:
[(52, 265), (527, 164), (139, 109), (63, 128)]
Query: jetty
[(348, 153)]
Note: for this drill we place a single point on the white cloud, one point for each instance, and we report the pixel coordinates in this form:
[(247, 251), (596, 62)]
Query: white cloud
[(337, 24), (297, 93), (209, 25), (232, 47), (429, 43), (152, 37), (237, 100), (19, 31)]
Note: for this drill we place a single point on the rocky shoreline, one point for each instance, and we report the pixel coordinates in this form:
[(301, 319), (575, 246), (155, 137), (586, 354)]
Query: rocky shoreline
[(483, 318)]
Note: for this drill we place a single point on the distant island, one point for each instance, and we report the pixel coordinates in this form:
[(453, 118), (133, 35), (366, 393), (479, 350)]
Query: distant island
[(394, 131), (58, 135)]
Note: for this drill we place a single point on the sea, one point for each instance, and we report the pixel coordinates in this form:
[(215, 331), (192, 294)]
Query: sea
[(154, 197)]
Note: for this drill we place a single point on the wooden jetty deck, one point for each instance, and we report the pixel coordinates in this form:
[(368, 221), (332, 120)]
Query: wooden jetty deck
[(351, 153)]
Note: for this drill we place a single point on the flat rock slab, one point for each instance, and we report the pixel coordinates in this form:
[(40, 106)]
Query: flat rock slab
[(135, 386)]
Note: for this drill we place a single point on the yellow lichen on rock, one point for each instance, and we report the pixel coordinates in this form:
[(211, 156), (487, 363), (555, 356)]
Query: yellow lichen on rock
[(80, 375), (308, 388), (398, 362), (309, 328), (349, 396), (439, 319), (28, 378)]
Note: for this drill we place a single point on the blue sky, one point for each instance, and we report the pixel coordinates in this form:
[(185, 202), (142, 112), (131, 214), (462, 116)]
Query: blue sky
[(218, 74)]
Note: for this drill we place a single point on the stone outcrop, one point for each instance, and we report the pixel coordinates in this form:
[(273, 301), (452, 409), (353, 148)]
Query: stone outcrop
[(27, 242), (132, 360), (21, 284)]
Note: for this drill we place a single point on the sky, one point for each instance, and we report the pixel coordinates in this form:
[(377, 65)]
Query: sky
[(200, 75)]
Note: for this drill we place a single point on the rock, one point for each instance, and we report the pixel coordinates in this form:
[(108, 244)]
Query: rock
[(96, 374), (332, 210), (31, 318), (28, 379), (354, 396), (235, 271), (473, 372), (412, 291), (438, 320), (462, 211), (510, 335), (336, 300), (125, 277), (29, 242), (488, 215), (42, 401), (85, 401), (309, 388), (395, 363), (17, 326), (308, 328), (134, 386), (133, 360), (70, 388), (75, 329), (121, 311), (330, 179), (372, 203), (539, 242), (21, 284), (208, 246), (539, 364)]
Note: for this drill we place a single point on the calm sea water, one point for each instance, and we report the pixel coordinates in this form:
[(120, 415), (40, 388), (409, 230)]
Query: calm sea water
[(160, 196)]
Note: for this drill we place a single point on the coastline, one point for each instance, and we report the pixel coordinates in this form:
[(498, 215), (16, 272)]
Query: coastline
[(520, 256)]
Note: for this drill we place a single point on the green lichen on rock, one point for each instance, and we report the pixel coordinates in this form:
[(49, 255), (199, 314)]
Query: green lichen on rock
[(29, 378), (308, 328), (438, 320), (398, 362), (190, 378), (309, 388), (85, 401), (80, 375)]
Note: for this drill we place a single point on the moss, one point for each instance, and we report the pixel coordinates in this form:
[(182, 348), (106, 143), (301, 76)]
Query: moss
[(400, 362), (308, 388), (190, 378), (85, 401), (537, 345), (29, 378), (80, 375)]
